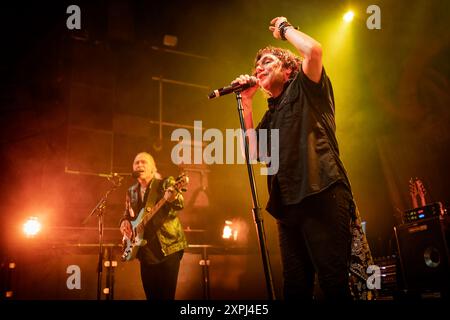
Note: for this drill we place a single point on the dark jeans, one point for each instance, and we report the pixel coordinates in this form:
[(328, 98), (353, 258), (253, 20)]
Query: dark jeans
[(160, 280), (315, 237)]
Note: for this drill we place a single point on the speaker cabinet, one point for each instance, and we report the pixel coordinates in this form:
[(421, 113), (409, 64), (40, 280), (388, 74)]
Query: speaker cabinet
[(424, 256)]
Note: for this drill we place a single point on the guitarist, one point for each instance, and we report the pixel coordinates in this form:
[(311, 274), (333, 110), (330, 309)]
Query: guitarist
[(160, 257)]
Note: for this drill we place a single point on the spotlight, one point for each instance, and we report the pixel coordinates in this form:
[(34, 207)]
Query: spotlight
[(31, 227), (348, 16), (170, 41), (228, 231), (235, 232)]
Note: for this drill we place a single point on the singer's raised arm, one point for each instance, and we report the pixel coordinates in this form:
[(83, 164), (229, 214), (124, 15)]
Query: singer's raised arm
[(309, 48)]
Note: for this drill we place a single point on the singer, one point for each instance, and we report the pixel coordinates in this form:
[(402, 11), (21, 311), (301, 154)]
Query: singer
[(160, 257), (310, 195)]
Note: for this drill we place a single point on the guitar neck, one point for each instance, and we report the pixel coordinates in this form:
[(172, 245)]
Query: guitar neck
[(421, 191), (423, 202), (152, 212), (414, 201), (181, 181)]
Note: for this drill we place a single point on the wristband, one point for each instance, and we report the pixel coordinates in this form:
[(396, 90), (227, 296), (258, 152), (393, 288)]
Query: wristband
[(283, 27)]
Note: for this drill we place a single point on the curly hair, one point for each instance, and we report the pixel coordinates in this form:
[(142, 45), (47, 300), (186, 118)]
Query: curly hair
[(288, 59)]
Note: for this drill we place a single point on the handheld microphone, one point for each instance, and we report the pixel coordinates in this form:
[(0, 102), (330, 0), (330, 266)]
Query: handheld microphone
[(233, 88)]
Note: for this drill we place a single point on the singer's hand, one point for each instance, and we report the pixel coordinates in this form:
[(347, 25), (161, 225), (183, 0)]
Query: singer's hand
[(250, 92), (274, 24)]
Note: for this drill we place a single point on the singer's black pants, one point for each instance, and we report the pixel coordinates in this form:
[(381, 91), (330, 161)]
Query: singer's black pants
[(160, 279), (315, 237)]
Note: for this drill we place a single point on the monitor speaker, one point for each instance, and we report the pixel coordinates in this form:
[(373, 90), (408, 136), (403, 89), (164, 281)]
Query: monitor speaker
[(424, 255)]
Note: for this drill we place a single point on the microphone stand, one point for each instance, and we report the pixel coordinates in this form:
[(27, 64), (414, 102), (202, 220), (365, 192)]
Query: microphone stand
[(256, 207), (100, 209)]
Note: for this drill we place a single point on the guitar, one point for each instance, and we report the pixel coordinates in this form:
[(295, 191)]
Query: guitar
[(416, 188), (130, 247)]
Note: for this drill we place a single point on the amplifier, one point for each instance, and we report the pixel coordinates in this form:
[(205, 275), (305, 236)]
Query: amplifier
[(389, 284), (431, 210), (424, 255)]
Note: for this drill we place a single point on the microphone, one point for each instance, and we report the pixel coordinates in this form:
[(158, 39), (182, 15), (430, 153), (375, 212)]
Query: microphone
[(233, 88), (136, 173)]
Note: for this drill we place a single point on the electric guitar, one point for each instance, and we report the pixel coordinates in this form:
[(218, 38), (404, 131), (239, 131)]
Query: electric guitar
[(416, 188), (130, 247)]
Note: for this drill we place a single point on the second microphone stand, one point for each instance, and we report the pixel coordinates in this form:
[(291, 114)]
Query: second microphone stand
[(100, 210)]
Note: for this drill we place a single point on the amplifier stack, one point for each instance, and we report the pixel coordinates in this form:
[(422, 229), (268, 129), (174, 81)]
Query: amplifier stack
[(422, 243)]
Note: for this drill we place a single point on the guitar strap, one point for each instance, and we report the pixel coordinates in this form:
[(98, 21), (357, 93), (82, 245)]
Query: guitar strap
[(153, 195)]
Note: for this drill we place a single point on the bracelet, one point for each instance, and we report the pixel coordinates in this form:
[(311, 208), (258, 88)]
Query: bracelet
[(283, 27)]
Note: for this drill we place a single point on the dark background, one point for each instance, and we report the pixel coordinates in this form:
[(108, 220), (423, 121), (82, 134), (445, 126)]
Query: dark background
[(88, 100)]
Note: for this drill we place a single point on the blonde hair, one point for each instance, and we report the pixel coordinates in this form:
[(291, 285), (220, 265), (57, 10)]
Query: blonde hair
[(151, 160)]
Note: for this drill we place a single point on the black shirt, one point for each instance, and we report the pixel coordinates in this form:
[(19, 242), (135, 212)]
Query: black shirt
[(309, 159)]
